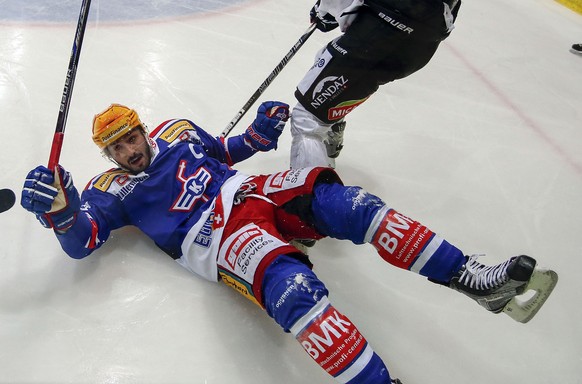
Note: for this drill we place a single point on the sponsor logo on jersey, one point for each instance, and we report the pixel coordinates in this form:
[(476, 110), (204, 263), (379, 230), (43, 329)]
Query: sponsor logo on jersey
[(119, 182), (128, 185), (204, 236), (341, 110), (328, 89), (193, 187), (175, 130), (285, 180), (276, 181), (104, 181), (242, 251)]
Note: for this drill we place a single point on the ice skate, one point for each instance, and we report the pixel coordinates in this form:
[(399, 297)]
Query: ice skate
[(505, 287), (303, 245), (335, 139)]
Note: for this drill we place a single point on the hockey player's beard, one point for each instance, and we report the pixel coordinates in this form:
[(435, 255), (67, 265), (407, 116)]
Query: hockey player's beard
[(138, 162), (131, 152)]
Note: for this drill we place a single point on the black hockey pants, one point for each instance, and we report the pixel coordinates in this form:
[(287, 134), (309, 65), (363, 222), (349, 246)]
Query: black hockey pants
[(375, 50)]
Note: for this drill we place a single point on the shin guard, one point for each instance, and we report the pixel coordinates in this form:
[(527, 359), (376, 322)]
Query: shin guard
[(335, 343), (408, 244)]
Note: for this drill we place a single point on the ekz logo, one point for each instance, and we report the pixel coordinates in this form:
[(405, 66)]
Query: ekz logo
[(193, 188)]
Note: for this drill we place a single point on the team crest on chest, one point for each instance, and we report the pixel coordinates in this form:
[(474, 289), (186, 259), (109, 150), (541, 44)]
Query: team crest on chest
[(193, 187)]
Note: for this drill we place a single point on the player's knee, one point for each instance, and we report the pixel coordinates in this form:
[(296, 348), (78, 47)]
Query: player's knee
[(344, 212), (290, 290)]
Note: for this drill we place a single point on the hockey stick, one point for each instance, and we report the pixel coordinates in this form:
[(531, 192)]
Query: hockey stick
[(268, 80), (7, 199), (68, 89)]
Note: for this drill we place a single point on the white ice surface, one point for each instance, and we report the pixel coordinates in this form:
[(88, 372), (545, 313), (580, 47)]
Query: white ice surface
[(483, 145)]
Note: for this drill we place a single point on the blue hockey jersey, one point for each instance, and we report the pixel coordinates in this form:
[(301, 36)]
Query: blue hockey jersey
[(180, 201)]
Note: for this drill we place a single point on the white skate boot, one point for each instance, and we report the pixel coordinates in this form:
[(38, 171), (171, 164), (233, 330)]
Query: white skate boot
[(498, 288)]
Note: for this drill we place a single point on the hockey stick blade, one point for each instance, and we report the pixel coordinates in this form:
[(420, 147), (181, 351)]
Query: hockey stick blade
[(7, 199), (541, 285)]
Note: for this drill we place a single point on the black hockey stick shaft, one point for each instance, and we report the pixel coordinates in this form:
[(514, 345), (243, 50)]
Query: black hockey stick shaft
[(68, 89), (268, 80)]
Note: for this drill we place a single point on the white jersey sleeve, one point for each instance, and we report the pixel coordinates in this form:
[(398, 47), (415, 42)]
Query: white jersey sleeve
[(344, 11)]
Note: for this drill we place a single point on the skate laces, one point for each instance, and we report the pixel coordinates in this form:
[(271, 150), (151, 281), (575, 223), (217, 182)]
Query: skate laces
[(479, 276)]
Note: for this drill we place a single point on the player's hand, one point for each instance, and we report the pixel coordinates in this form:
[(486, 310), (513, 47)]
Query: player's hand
[(264, 132), (52, 197), (323, 21)]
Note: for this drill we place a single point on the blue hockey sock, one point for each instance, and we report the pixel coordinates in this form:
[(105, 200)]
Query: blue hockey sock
[(352, 213)]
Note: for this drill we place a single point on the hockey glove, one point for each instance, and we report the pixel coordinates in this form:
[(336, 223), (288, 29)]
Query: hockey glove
[(51, 197), (263, 133), (323, 21)]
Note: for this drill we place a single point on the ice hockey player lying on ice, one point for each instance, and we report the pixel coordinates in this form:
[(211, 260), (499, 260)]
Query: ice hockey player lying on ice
[(177, 185)]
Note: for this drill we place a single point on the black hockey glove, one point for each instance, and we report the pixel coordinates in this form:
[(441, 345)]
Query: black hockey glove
[(324, 22), (52, 197)]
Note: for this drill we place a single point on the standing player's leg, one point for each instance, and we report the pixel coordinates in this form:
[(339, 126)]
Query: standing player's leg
[(345, 74)]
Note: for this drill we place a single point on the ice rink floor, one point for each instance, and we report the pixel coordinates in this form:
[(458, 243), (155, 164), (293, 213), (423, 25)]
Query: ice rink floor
[(483, 146)]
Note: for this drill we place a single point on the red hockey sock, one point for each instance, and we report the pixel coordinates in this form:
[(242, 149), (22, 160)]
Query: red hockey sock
[(398, 239), (335, 343)]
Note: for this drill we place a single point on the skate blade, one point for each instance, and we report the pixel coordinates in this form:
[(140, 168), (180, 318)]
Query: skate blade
[(542, 283)]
